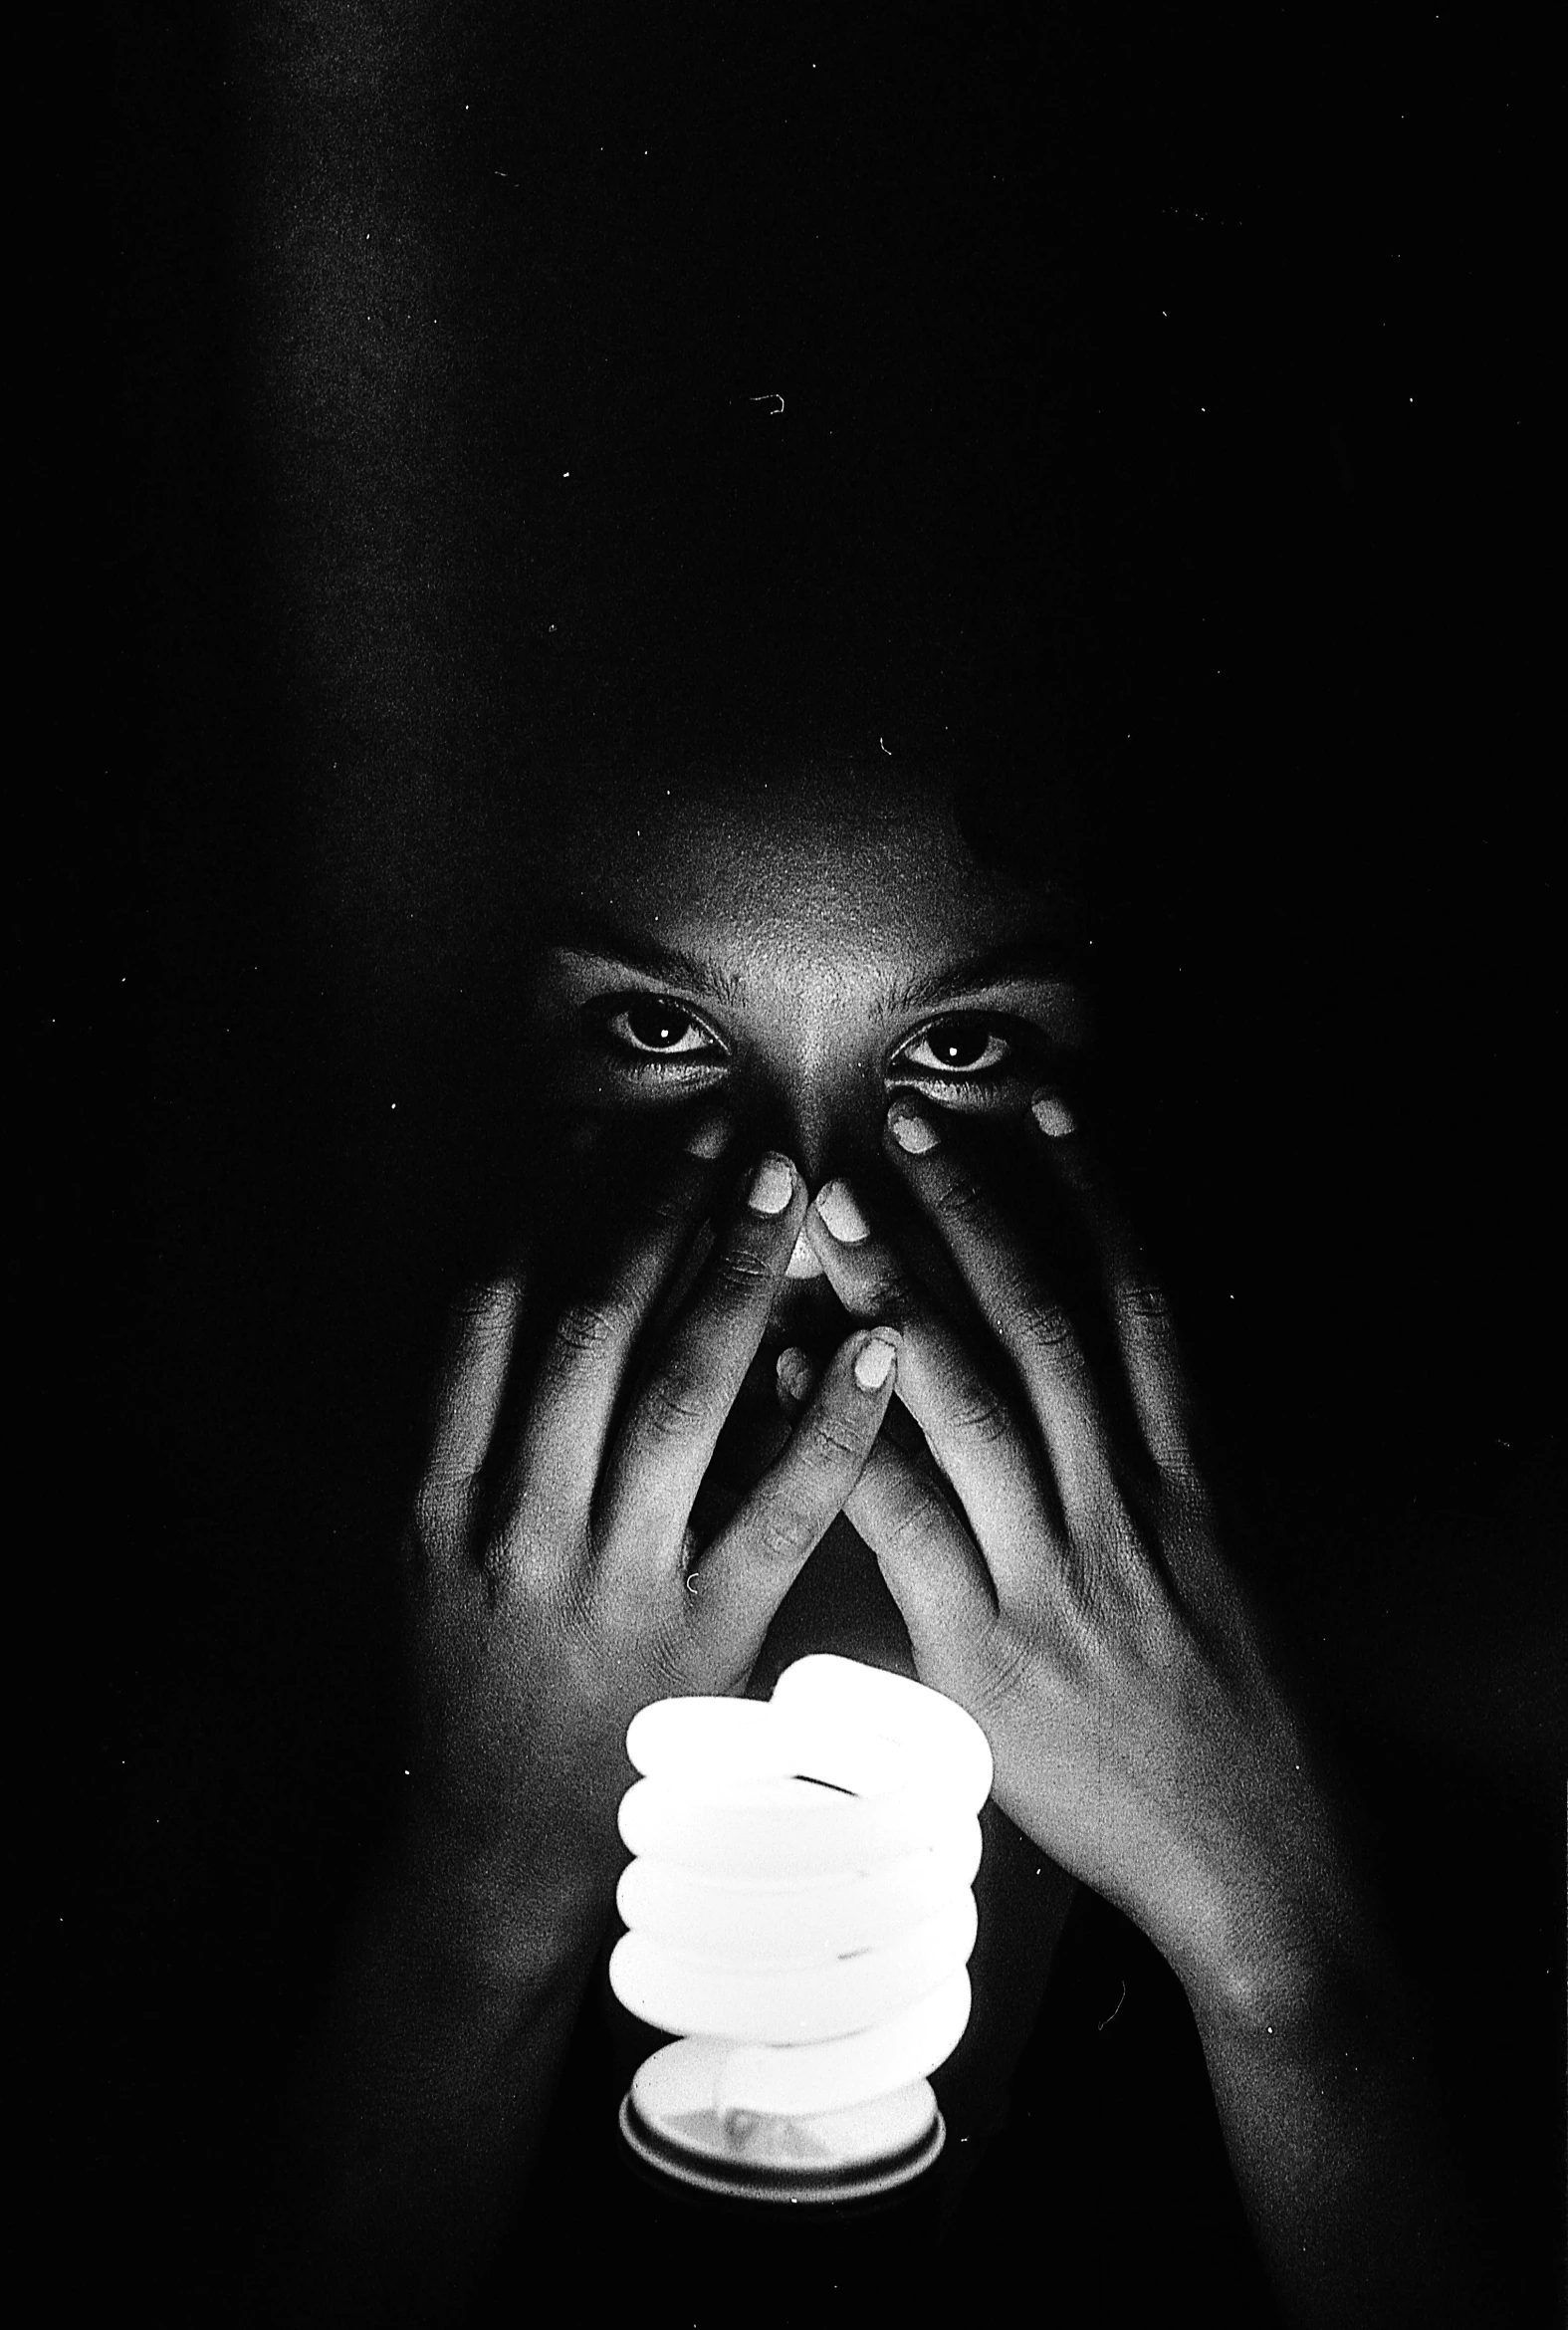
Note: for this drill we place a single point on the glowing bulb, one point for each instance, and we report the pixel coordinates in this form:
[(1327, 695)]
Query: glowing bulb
[(799, 1909)]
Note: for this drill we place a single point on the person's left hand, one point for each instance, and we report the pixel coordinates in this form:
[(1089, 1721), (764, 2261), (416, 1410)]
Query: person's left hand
[(1073, 1593)]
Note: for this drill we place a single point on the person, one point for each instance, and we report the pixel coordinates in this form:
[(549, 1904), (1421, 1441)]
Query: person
[(596, 352), (825, 1329)]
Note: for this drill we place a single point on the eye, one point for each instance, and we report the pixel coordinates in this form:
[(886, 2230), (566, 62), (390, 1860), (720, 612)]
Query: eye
[(654, 1027), (955, 1047)]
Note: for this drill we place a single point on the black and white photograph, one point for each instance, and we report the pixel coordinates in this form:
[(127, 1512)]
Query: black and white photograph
[(790, 952)]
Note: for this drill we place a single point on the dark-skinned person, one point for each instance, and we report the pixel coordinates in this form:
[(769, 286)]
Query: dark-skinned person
[(824, 1330)]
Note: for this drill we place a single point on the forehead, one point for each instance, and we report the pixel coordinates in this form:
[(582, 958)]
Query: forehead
[(795, 861)]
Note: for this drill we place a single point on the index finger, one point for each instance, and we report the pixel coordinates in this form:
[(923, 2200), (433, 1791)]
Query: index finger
[(590, 1349), (673, 1420), (1023, 1312)]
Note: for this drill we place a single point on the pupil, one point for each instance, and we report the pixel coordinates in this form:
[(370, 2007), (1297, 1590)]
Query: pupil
[(658, 1024), (959, 1043)]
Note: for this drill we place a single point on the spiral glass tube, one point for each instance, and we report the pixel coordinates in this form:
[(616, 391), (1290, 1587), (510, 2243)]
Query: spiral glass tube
[(800, 1907)]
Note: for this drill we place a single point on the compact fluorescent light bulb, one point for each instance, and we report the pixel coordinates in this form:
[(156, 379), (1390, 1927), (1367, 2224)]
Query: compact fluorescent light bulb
[(799, 1909)]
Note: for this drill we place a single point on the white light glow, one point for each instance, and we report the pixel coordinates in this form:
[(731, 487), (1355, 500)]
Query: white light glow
[(799, 1906)]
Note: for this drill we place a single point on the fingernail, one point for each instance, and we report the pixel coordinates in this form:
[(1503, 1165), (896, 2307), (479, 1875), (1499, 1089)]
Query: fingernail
[(795, 1374), (708, 1136), (802, 1262), (874, 1363), (1053, 1116), (842, 1217), (912, 1131), (772, 1186)]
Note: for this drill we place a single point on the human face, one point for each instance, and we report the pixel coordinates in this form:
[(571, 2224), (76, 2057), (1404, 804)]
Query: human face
[(800, 950)]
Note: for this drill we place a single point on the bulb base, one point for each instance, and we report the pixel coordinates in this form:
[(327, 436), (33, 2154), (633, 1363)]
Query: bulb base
[(854, 2154)]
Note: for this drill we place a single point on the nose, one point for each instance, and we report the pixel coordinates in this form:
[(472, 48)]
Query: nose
[(826, 1114), (830, 1126)]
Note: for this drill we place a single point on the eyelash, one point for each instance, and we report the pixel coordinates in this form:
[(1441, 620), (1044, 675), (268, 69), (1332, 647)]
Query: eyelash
[(997, 1049), (646, 1059), (711, 1051)]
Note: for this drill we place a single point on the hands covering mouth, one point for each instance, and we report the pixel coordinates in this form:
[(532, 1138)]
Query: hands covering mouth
[(625, 1526)]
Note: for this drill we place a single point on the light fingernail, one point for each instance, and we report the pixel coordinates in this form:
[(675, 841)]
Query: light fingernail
[(802, 1262), (842, 1217), (708, 1136), (874, 1363), (1053, 1115), (795, 1374), (912, 1132), (772, 1186)]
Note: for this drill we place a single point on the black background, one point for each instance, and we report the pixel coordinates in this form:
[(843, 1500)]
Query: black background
[(1277, 282)]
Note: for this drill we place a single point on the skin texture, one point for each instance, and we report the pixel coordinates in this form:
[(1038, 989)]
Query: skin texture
[(642, 1434), (817, 926)]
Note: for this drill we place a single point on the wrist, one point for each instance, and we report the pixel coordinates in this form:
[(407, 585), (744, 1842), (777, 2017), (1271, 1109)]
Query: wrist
[(1301, 1984), (514, 1914)]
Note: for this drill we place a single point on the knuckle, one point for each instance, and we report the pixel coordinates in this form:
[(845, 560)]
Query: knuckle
[(482, 1298), (982, 1414), (1045, 1324), (1009, 1662), (742, 1276), (747, 1262), (478, 1316), (833, 1436), (914, 1515), (672, 1407), (588, 1327), (781, 1527), (962, 1199), (891, 1295), (1186, 1492), (474, 1304), (1144, 1304)]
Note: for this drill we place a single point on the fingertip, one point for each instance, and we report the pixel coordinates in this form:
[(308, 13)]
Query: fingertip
[(911, 1130), (796, 1377), (817, 1238), (837, 1208), (875, 1360), (1053, 1115), (771, 1187)]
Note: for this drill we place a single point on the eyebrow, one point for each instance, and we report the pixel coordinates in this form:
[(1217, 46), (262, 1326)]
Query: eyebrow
[(1033, 961), (593, 941)]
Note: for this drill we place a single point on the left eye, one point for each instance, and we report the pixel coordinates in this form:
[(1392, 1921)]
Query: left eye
[(955, 1047), (655, 1028)]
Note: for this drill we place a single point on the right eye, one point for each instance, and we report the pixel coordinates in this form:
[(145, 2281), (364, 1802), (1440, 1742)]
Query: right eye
[(654, 1027)]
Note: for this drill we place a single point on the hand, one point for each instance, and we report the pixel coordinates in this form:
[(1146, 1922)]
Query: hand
[(1065, 1581), (549, 1548)]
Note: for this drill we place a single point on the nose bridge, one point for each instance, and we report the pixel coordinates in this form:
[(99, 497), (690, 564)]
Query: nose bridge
[(816, 1132), (819, 1100)]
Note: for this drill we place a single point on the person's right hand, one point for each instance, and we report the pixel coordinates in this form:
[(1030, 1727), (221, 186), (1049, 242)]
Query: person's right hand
[(549, 1551)]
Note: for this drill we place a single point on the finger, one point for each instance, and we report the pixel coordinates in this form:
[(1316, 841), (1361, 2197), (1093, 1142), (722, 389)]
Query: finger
[(1017, 1300), (745, 1573), (1140, 1316), (969, 1420), (796, 1379), (899, 1508), (588, 1351), (673, 1422), (470, 1383), (933, 1569)]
